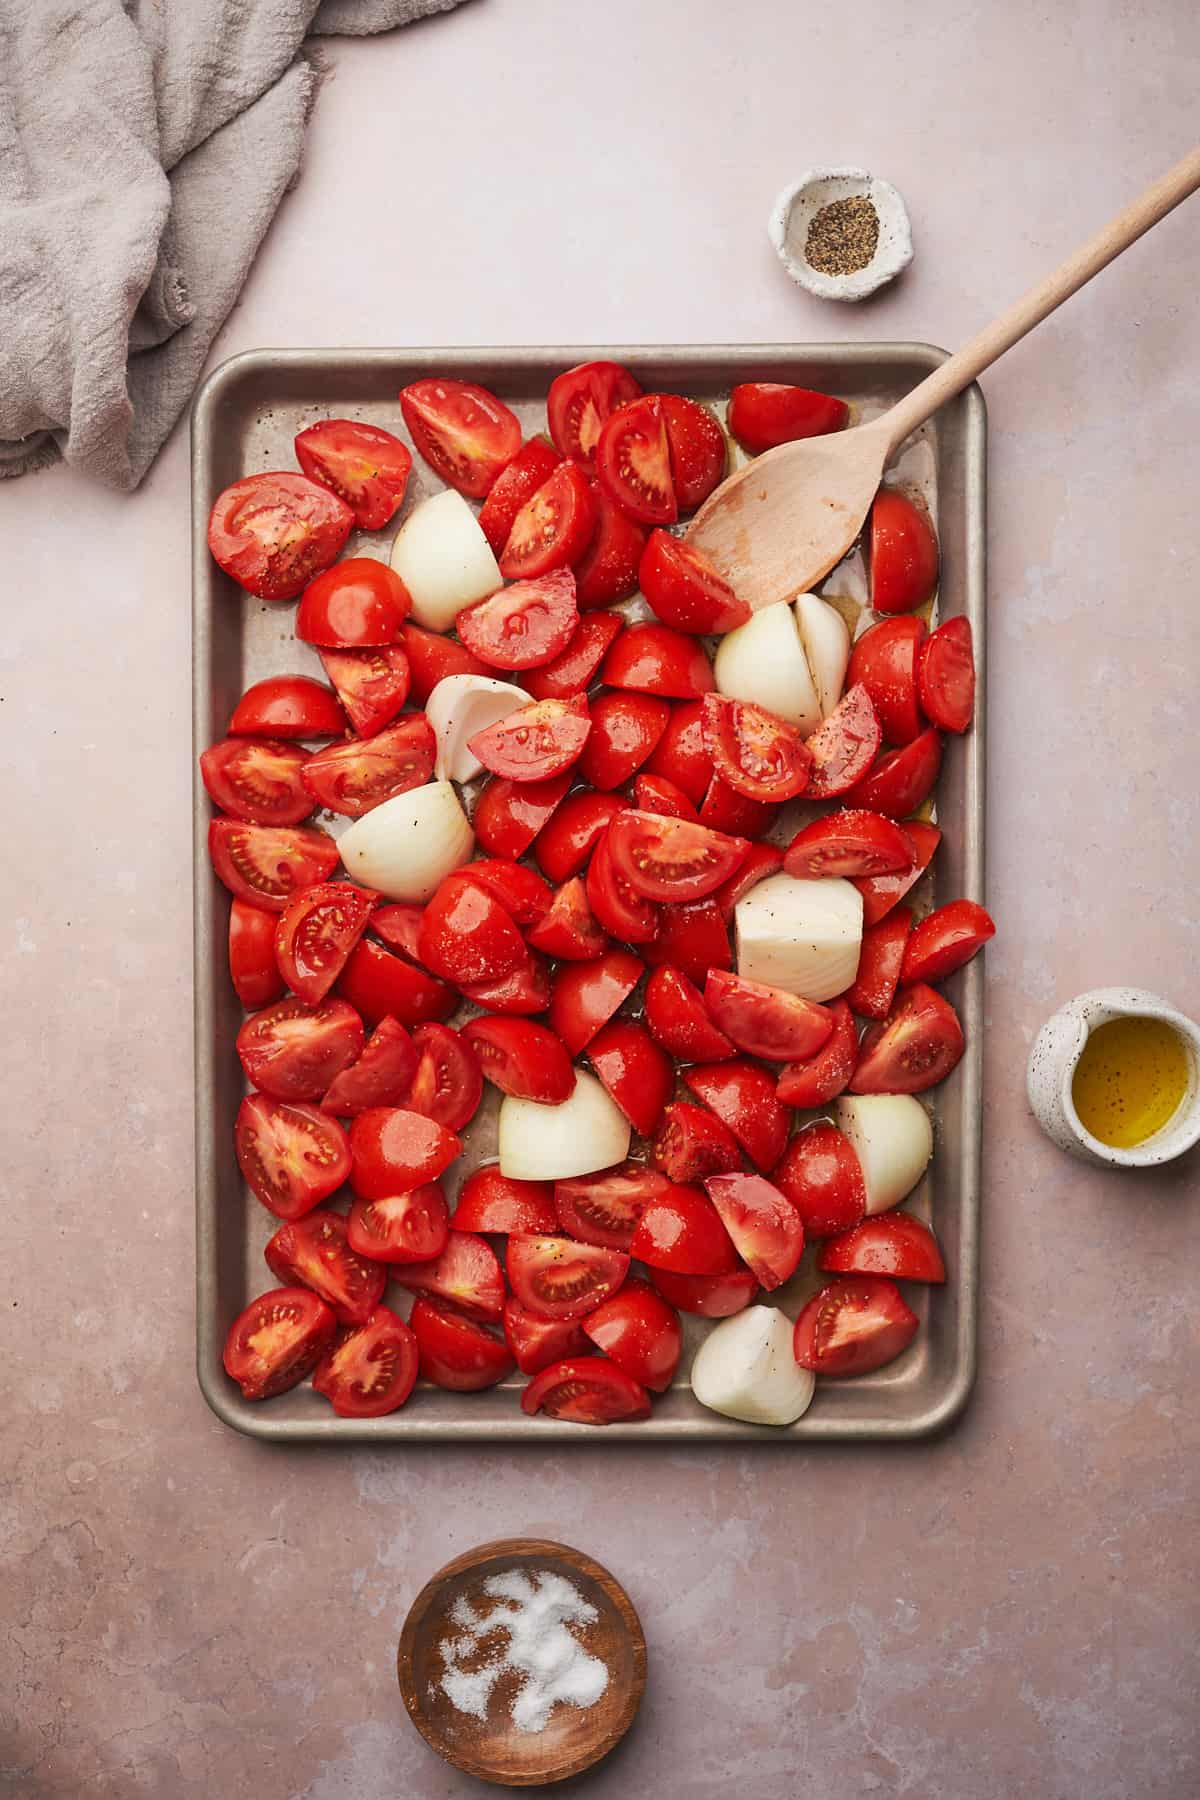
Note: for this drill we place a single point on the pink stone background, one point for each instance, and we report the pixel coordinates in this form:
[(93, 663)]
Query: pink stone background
[(1010, 1610)]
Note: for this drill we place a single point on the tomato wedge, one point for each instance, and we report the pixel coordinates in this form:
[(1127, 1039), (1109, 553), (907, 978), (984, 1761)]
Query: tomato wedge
[(553, 528), (608, 569), (677, 1019), (288, 706), (847, 843), (393, 1151), (467, 935), (680, 1229), (637, 1074), (293, 1051), (317, 930), (565, 843), (267, 864), (885, 659), (432, 657), (353, 778), (410, 1227), (765, 1021), (455, 1352), (292, 1157), (252, 966), (724, 809), (873, 989), (277, 1341), (765, 413), (698, 450), (743, 1097), (902, 553), (913, 1049), (509, 814), (684, 588), (765, 1227), (257, 780), (946, 940), (536, 743), (522, 893), (522, 1059), (466, 1273), (273, 532), (892, 1243), (671, 859), (314, 1252), (654, 659), (358, 602), (693, 937), (820, 1078), (844, 747), (902, 779), (633, 461), (822, 1177), (526, 990), (756, 753), (710, 1296), (655, 794), (371, 1370), (533, 464), (692, 1143), (624, 731), (569, 930), (399, 925), (619, 908), (574, 669), (363, 465), (381, 1076), (466, 435), (946, 676), (585, 995), (559, 1278), (640, 1332), (490, 1201), (604, 1209), (447, 1083), (522, 626), (680, 754), (761, 860), (586, 1390), (881, 892), (853, 1326), (581, 399), (372, 684), (536, 1343), (379, 985)]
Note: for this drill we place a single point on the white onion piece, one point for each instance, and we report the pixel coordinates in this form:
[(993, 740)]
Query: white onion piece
[(458, 707), (406, 846), (826, 640), (745, 1369), (802, 936), (893, 1140), (764, 661), (551, 1143), (444, 560)]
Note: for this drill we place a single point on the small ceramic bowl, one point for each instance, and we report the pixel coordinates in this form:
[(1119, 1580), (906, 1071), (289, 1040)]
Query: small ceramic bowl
[(1051, 1071), (796, 208)]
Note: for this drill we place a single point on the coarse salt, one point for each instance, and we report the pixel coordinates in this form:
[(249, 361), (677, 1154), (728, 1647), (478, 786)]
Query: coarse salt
[(535, 1612)]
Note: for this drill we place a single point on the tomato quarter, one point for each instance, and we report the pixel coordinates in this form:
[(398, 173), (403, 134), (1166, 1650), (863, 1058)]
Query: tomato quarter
[(292, 1156), (410, 1227), (257, 780), (624, 731), (252, 966), (913, 1049), (354, 777), (522, 626), (853, 1326), (534, 463), (536, 1343), (522, 1059), (692, 1143), (822, 1177), (680, 754), (844, 747), (684, 588), (586, 1390), (765, 413), (671, 859), (946, 676), (902, 779), (743, 1097), (490, 1201), (447, 1084), (884, 660), (366, 467), (848, 843), (525, 990), (317, 930), (314, 1252), (946, 940), (640, 1332), (536, 743), (466, 1273), (371, 1370), (466, 435), (633, 461), (431, 657), (293, 1051), (757, 754), (288, 706), (267, 864), (654, 659), (393, 1151), (574, 669), (680, 1229), (605, 1208), (467, 935), (619, 908), (381, 1076), (569, 930), (553, 528), (678, 1020), (761, 860), (581, 399), (559, 1278), (892, 1243), (820, 1078), (509, 814), (711, 1296), (274, 532), (766, 1229), (379, 985), (697, 449), (881, 892), (637, 1074), (655, 794), (693, 937), (358, 602), (874, 986), (277, 1341), (565, 843), (765, 1021), (586, 994), (455, 1352), (902, 553), (608, 569)]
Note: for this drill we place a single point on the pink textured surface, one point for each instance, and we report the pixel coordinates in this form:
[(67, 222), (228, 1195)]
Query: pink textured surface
[(1010, 1610)]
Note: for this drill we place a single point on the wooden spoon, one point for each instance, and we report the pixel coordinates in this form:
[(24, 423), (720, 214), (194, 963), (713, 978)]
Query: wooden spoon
[(782, 522)]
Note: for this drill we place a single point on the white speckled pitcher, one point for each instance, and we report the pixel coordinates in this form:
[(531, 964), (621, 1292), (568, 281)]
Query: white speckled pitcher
[(1052, 1063)]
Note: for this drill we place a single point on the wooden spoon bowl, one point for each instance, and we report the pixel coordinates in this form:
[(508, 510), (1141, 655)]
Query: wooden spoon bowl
[(493, 1749)]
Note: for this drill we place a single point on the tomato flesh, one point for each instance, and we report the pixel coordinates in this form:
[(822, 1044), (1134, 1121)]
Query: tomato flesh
[(618, 907), (536, 743), (697, 449), (534, 463), (640, 1332), (355, 777), (560, 1278), (821, 1175), (585, 995), (678, 1020), (363, 465), (902, 553), (447, 1083), (569, 930), (892, 1243), (885, 661), (371, 683), (522, 1059), (758, 754), (466, 1273), (902, 779), (693, 1143), (293, 1051), (525, 990), (765, 413), (820, 1078), (465, 434), (633, 461), (692, 937), (553, 528), (573, 670), (358, 602), (844, 747), (393, 1151), (671, 859), (766, 1229), (853, 1326), (608, 569), (946, 676), (371, 1370), (765, 1021), (381, 1075), (913, 1049), (579, 402), (292, 1156), (454, 1351), (409, 1227), (684, 588), (743, 1097), (848, 843), (873, 989), (257, 780), (267, 864), (314, 1252), (536, 1343), (524, 625), (317, 930), (586, 1390), (635, 1071), (881, 892), (279, 1338), (604, 1209), (946, 940), (379, 985), (273, 532), (510, 814)]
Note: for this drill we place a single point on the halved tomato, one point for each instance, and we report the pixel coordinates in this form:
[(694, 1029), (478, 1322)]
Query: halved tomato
[(902, 779), (536, 743), (466, 435), (569, 930), (680, 1229), (393, 1150), (358, 602), (314, 1252), (765, 413), (758, 754), (633, 461), (466, 1273), (267, 864), (292, 1157), (490, 1201), (455, 1352), (653, 659), (624, 731), (585, 995), (559, 1278), (293, 1051), (765, 1021), (467, 935), (693, 1143), (431, 657), (509, 814), (680, 754), (946, 676), (913, 1049), (637, 1074), (608, 569), (257, 780), (743, 1097), (620, 909), (533, 464), (565, 843), (655, 794), (671, 859), (536, 1343), (692, 937), (902, 553), (605, 1208), (288, 706), (524, 625), (710, 1296), (884, 659), (522, 893), (586, 1390), (698, 450), (363, 465), (398, 923), (317, 930), (640, 1332), (766, 1229), (526, 990), (848, 843), (553, 528), (892, 1243), (273, 532), (873, 989), (354, 777), (881, 892), (372, 683), (522, 1059), (378, 985), (277, 1340), (853, 1326), (677, 1019), (685, 589), (574, 669), (844, 747), (252, 966), (371, 1370), (381, 1076), (409, 1227), (581, 399), (820, 1078), (447, 1084), (724, 809), (761, 860), (822, 1177), (946, 940)]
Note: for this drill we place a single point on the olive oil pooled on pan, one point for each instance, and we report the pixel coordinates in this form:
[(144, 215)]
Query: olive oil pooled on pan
[(1130, 1079)]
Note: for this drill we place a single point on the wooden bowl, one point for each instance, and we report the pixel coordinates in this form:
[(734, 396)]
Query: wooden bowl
[(493, 1749)]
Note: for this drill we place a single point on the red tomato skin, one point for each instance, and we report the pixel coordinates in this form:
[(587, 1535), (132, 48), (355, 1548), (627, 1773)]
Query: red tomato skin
[(888, 1327), (317, 930), (765, 413), (698, 451), (604, 1209), (363, 465), (252, 966), (431, 657), (536, 1343), (465, 434), (743, 1097), (398, 923), (533, 464), (313, 1327), (625, 729), (640, 1332), (618, 908), (884, 660), (454, 1351), (581, 399), (254, 554), (671, 859), (893, 1243), (466, 1273), (766, 1229), (633, 461), (380, 1076), (560, 1278), (709, 1296), (490, 1201), (384, 1339), (822, 1177), (393, 1151), (310, 1179), (637, 1074), (758, 755), (313, 1252), (820, 1078), (764, 1021), (678, 1020), (466, 935), (526, 990), (879, 962), (553, 528), (903, 553), (761, 860), (292, 1068), (902, 779), (378, 984), (447, 1083), (358, 602), (694, 938), (586, 1390), (914, 1048), (522, 893), (537, 742), (569, 930), (881, 892), (257, 780), (524, 625), (568, 839), (608, 569), (655, 794), (724, 809), (585, 995), (405, 1228), (372, 683), (685, 590), (654, 659), (509, 814), (681, 1230), (573, 670), (522, 1059), (693, 1143), (844, 747), (288, 706), (946, 676), (946, 940), (680, 754), (848, 843)]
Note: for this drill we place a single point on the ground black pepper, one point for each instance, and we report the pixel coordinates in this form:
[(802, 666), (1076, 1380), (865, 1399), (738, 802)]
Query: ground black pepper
[(843, 236)]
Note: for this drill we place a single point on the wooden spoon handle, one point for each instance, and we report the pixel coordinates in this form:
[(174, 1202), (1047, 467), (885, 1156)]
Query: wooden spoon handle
[(983, 349)]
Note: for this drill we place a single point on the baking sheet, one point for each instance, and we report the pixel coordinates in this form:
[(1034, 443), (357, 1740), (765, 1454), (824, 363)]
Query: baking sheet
[(244, 420)]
